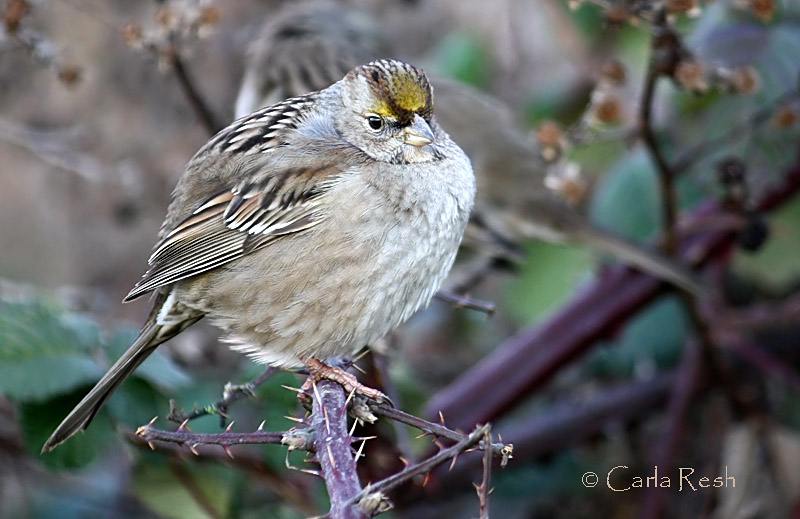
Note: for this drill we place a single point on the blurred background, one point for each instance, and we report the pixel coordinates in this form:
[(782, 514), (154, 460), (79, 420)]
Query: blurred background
[(585, 364)]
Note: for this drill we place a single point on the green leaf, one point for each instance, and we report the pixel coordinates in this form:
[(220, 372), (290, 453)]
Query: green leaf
[(653, 340), (548, 277), (40, 419), (627, 199), (42, 353)]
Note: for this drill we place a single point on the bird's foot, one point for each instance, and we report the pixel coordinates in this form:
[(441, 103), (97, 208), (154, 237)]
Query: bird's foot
[(319, 370)]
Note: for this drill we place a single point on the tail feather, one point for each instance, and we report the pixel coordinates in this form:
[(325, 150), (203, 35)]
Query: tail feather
[(149, 338)]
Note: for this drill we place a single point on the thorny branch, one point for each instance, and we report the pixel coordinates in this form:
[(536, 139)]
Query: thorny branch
[(231, 394)]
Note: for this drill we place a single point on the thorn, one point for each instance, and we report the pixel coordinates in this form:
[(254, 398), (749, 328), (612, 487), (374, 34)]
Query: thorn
[(360, 449), (298, 420), (427, 478), (228, 428), (355, 367), (453, 463), (421, 436), (193, 448), (327, 421), (361, 355), (228, 451), (500, 437), (261, 425), (353, 428), (153, 420), (441, 417), (350, 397), (330, 457), (295, 389), (183, 426), (405, 462), (438, 444), (316, 391), (150, 444)]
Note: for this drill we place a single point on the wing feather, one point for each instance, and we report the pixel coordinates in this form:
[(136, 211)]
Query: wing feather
[(235, 222)]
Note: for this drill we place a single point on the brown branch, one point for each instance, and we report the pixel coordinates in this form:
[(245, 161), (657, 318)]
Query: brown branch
[(663, 52), (187, 84)]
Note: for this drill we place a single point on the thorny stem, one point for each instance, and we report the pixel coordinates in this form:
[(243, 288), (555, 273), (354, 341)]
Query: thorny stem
[(221, 406), (485, 487), (254, 466), (497, 449), (225, 439), (423, 467), (332, 444)]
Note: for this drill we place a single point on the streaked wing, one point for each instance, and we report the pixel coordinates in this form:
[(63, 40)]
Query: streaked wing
[(235, 222)]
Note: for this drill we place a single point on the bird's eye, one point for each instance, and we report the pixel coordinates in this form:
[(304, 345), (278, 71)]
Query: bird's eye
[(375, 122)]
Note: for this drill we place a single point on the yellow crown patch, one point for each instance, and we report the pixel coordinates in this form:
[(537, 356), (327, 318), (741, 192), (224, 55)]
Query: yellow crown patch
[(402, 89)]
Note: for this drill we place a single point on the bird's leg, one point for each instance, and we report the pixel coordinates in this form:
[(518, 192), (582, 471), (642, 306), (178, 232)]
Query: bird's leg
[(318, 370)]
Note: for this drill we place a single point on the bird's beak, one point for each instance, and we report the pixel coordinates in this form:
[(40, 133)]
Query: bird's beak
[(419, 133)]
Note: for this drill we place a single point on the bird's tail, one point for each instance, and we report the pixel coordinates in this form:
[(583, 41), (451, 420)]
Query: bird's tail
[(151, 335)]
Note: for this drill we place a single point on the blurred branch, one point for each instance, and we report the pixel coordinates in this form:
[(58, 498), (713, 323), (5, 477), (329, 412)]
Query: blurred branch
[(530, 358), (462, 301), (59, 149), (190, 90), (683, 391), (664, 48)]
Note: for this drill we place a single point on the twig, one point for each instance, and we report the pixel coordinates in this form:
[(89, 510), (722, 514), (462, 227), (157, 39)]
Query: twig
[(196, 101), (332, 444), (410, 472), (231, 395), (226, 439), (253, 465), (662, 52), (462, 301), (498, 449), (694, 154)]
